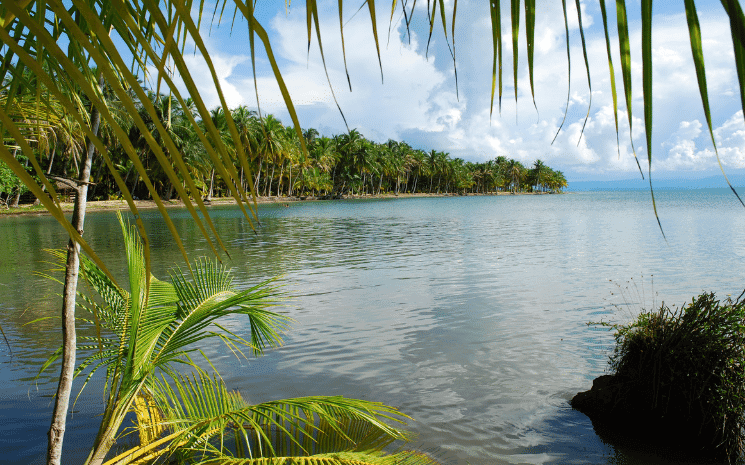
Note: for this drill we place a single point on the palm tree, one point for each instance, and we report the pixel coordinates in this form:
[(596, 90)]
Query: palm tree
[(418, 166), (246, 122), (271, 146), (310, 136), (157, 325), (515, 172), (292, 153), (538, 174), (352, 154), (326, 159)]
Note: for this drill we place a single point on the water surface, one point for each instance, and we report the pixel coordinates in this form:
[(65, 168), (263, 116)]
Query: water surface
[(467, 313)]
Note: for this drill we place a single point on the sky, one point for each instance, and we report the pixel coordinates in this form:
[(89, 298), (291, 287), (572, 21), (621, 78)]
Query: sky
[(417, 100)]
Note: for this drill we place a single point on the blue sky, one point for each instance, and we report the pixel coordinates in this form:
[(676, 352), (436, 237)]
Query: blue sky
[(417, 101)]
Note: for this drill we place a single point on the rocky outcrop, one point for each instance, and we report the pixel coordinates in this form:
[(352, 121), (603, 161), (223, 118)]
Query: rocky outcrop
[(601, 400), (622, 414)]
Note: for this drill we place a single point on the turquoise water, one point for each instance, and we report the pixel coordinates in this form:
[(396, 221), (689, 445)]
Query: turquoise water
[(467, 313)]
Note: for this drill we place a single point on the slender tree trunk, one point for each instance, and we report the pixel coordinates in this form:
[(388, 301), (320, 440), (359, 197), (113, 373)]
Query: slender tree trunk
[(126, 178), (212, 183), (16, 199), (171, 188), (289, 184), (134, 183), (281, 175), (270, 180), (69, 343), (17, 196), (258, 178)]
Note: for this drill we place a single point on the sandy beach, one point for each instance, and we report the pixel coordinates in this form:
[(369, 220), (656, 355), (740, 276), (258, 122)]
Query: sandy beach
[(113, 205)]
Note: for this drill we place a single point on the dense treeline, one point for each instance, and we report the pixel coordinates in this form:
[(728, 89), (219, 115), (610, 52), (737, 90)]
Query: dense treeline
[(340, 165)]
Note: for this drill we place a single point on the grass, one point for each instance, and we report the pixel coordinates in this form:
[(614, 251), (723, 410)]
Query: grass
[(685, 368), (23, 209)]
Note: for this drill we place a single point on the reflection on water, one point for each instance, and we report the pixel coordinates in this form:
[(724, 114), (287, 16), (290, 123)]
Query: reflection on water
[(466, 313)]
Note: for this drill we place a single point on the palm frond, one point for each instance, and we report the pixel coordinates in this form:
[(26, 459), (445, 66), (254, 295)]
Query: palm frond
[(208, 420), (210, 297), (337, 458)]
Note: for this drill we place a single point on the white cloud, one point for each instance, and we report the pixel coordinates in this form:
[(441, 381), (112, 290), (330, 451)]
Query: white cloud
[(224, 66), (418, 102), (682, 151), (731, 139), (415, 95)]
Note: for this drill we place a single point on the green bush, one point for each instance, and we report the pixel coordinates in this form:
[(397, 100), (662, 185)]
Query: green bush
[(686, 367)]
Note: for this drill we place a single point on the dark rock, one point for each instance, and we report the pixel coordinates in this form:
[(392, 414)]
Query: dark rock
[(622, 414), (600, 400)]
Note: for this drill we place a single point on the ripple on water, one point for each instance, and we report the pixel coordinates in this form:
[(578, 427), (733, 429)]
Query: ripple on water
[(469, 314)]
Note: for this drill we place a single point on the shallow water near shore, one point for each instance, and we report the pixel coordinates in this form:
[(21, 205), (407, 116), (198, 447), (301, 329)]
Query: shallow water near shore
[(467, 313)]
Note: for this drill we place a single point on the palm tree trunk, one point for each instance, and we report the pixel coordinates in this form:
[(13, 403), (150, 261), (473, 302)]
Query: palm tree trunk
[(258, 177), (169, 194), (289, 184), (281, 174), (17, 196), (212, 184), (16, 199), (72, 267), (270, 179)]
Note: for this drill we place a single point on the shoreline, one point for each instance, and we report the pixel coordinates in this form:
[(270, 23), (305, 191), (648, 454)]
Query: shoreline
[(114, 205)]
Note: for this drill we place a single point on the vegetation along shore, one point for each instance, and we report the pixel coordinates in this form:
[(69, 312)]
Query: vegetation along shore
[(115, 205), (342, 165)]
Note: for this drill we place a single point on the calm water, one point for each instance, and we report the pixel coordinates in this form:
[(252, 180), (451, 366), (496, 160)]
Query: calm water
[(466, 313)]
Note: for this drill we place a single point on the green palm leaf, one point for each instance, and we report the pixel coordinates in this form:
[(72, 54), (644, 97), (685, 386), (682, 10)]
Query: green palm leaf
[(336, 458), (587, 65), (569, 69), (612, 73), (496, 23), (625, 48), (207, 416)]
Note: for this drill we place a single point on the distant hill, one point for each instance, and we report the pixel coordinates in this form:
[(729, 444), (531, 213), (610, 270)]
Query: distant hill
[(707, 182)]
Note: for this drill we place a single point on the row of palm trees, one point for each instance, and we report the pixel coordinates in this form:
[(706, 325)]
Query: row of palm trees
[(340, 165)]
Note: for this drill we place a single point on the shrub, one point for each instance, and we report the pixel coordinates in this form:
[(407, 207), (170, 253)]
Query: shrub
[(686, 368)]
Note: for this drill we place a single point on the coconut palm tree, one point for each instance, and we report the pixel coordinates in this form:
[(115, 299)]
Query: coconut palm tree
[(538, 174), (157, 326), (515, 172), (271, 143)]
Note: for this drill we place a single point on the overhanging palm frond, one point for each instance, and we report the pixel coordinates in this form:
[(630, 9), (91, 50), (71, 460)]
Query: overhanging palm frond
[(208, 421), (336, 458)]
